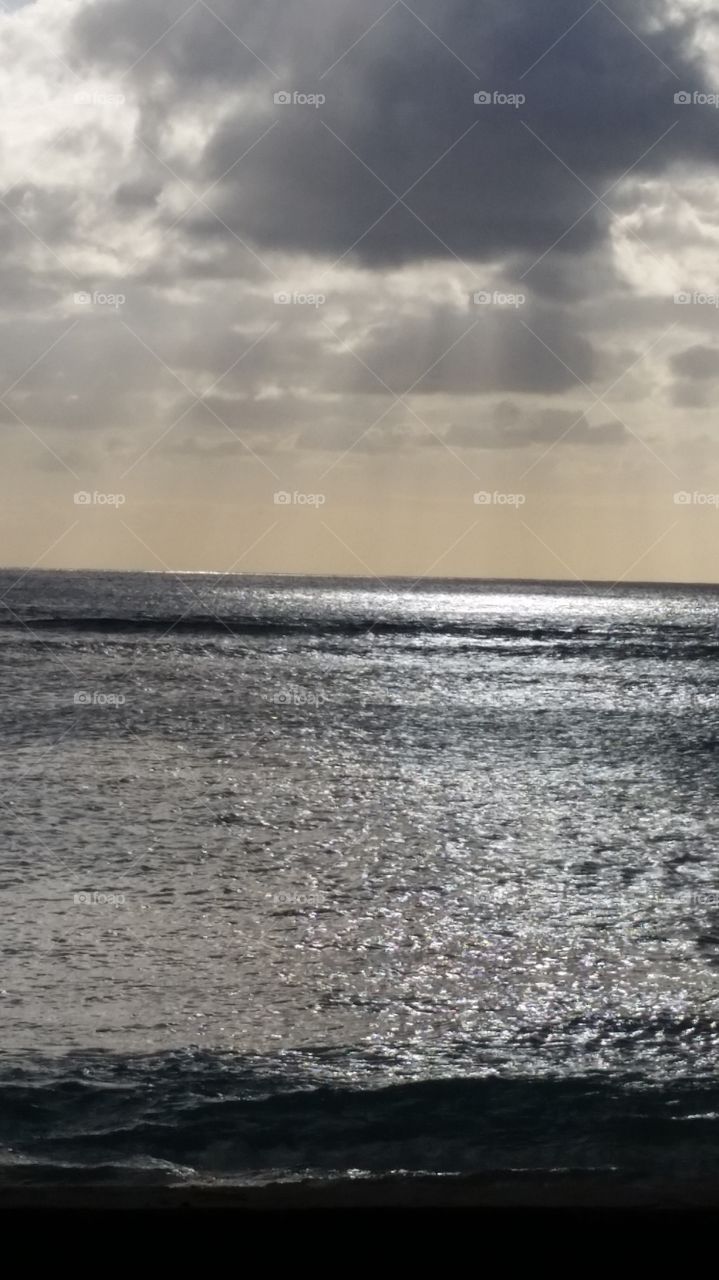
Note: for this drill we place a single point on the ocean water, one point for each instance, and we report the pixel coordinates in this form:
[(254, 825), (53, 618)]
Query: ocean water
[(308, 878)]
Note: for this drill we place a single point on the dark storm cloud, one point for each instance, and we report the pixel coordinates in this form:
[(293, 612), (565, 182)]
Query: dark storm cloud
[(142, 193), (94, 199), (686, 394), (399, 99), (697, 363)]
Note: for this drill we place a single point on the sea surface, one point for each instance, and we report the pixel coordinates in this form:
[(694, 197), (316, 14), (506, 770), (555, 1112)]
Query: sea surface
[(307, 878)]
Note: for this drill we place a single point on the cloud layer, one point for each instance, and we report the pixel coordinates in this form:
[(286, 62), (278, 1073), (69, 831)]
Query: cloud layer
[(307, 241)]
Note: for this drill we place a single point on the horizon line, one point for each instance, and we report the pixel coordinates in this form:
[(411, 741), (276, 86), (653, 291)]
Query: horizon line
[(380, 580)]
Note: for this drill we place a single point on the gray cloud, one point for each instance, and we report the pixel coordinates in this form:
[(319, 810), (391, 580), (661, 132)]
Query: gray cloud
[(487, 350), (199, 296), (512, 429), (696, 370), (399, 99), (697, 362)]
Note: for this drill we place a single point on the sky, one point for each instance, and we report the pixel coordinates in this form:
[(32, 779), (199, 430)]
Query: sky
[(358, 287)]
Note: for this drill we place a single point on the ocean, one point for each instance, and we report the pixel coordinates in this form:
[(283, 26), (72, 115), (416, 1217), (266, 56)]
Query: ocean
[(308, 879)]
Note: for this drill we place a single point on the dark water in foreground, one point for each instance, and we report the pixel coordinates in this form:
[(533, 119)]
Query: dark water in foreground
[(323, 877)]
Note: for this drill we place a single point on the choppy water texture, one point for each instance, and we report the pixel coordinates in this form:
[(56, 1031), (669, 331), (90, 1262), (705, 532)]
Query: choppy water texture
[(316, 877)]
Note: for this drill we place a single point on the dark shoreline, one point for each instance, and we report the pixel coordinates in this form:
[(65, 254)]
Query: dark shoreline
[(530, 1190)]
